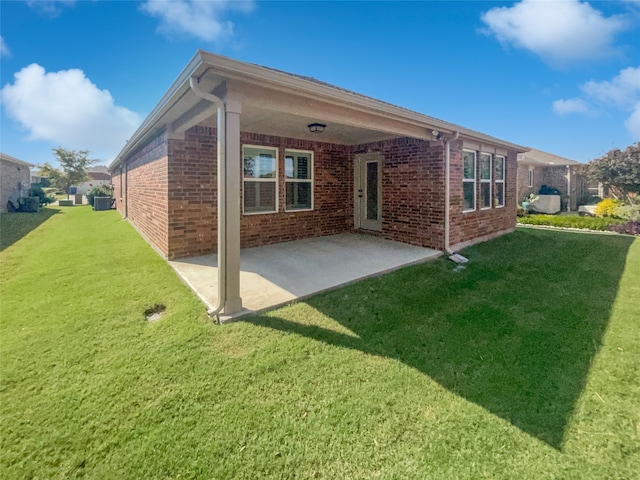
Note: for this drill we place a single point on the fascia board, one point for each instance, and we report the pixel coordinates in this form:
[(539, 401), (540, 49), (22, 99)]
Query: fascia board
[(234, 70)]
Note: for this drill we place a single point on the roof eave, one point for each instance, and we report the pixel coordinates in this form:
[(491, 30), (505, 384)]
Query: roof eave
[(290, 82), (234, 69), (165, 103)]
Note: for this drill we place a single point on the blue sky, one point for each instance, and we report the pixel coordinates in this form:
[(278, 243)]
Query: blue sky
[(557, 75)]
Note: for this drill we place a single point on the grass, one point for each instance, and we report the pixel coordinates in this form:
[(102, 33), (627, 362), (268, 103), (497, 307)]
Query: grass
[(14, 226), (571, 221), (525, 364)]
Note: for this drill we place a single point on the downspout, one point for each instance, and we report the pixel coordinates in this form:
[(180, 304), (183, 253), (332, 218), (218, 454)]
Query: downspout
[(222, 207), (447, 190)]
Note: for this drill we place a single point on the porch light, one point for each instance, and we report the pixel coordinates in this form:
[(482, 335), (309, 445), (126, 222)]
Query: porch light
[(316, 127)]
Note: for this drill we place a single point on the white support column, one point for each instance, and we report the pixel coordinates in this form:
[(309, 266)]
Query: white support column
[(233, 302)]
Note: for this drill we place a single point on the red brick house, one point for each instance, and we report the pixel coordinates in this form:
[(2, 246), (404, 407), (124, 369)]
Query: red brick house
[(302, 158), (537, 168)]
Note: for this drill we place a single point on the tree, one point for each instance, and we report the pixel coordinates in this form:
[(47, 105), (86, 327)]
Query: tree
[(619, 171), (72, 171)]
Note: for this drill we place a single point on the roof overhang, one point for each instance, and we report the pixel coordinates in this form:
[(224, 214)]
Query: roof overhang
[(279, 103), (17, 161)]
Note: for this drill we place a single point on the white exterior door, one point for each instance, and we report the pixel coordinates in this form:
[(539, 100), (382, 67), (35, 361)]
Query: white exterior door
[(367, 191)]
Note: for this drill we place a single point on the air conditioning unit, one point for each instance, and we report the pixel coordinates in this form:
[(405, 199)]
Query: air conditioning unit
[(102, 203)]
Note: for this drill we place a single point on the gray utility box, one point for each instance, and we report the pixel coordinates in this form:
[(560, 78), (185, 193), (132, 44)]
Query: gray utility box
[(102, 203)]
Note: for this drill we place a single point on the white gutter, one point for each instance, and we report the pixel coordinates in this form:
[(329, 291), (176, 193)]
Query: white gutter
[(222, 207), (447, 190)]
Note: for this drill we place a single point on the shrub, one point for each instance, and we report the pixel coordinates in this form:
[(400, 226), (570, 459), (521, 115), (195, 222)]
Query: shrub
[(628, 212), (99, 191), (43, 198), (570, 221), (630, 228), (521, 212), (29, 204), (607, 207)]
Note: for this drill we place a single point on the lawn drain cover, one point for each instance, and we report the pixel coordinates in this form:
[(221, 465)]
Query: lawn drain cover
[(155, 312)]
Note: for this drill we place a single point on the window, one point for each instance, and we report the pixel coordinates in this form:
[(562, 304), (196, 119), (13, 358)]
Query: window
[(468, 181), (485, 181), (499, 176), (298, 179), (530, 177), (260, 179)]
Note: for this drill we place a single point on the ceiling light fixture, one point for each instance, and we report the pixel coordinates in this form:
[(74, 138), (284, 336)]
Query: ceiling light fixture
[(316, 127)]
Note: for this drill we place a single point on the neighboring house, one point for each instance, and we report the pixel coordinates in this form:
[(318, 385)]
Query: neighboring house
[(537, 168), (15, 179), (35, 176), (98, 175), (303, 158)]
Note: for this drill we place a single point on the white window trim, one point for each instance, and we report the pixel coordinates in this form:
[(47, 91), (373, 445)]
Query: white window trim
[(501, 181), (300, 180), (530, 183), (277, 159), (486, 181), (470, 180)]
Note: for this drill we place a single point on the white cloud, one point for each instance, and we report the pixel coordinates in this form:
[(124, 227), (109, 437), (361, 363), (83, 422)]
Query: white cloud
[(560, 32), (67, 109), (51, 8), (203, 20), (633, 123), (4, 49), (621, 92), (573, 105)]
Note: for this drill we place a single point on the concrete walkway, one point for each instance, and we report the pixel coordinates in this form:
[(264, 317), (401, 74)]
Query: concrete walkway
[(278, 274)]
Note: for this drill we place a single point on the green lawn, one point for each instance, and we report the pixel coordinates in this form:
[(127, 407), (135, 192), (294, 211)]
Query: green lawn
[(524, 365)]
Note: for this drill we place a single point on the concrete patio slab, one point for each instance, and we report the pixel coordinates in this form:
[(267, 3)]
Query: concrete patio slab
[(274, 275)]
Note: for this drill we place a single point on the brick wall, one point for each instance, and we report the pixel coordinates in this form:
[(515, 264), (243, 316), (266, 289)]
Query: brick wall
[(141, 191), (523, 181), (480, 225), (171, 188), (333, 203), (192, 193), (193, 199), (412, 190), (555, 177), (13, 175)]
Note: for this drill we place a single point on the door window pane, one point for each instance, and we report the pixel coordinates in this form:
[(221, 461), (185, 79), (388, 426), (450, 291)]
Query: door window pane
[(372, 191)]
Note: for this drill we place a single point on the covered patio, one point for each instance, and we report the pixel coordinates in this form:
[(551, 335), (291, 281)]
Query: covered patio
[(278, 274)]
